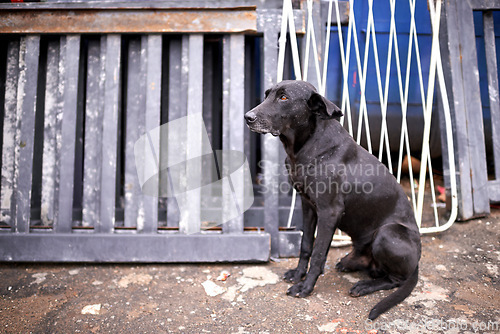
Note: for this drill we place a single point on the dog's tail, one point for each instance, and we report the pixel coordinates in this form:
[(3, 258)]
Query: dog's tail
[(396, 297)]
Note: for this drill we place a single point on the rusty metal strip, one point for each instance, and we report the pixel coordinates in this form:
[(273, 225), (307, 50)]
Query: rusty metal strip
[(142, 4), (128, 21)]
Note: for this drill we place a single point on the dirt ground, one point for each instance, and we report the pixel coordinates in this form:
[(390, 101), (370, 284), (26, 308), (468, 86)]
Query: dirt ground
[(458, 292)]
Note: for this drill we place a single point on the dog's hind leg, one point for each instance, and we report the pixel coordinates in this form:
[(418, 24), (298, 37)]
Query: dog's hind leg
[(306, 246), (396, 251)]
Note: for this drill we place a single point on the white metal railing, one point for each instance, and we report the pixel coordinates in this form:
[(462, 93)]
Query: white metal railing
[(435, 71)]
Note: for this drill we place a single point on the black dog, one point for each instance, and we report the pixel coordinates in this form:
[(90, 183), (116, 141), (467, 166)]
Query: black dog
[(341, 186)]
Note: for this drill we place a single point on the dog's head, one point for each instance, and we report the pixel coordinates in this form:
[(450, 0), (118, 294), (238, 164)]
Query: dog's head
[(290, 105)]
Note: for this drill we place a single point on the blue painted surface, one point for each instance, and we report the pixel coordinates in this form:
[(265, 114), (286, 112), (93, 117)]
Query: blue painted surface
[(382, 14)]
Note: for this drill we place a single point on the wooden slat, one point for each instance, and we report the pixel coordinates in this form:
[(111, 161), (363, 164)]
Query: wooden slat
[(124, 4), (493, 92), (27, 95), (70, 57), (453, 74), (110, 133), (177, 108), (136, 104), (52, 129), (190, 202), (271, 145), (233, 123), (153, 48), (8, 181), (93, 131), (472, 100)]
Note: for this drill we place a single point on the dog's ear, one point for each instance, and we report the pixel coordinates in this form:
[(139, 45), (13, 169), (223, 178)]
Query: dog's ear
[(324, 108)]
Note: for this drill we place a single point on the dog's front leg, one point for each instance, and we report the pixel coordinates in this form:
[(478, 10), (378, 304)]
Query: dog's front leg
[(327, 223), (309, 219)]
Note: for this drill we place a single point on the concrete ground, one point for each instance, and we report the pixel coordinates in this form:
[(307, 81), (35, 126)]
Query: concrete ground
[(458, 292)]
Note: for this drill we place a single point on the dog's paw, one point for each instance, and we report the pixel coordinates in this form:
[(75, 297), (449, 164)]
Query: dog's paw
[(340, 267), (293, 276), (361, 288), (299, 290)]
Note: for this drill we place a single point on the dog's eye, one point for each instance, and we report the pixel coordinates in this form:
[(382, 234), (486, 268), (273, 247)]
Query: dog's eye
[(283, 98)]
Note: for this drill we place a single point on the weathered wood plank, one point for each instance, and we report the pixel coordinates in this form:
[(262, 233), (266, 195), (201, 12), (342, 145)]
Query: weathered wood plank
[(493, 93), (472, 100), (26, 97), (8, 182), (110, 133), (143, 248), (52, 129), (190, 201), (144, 4), (233, 124), (127, 21), (93, 131), (153, 48), (271, 145), (177, 108), (70, 56), (484, 4), (136, 104), (453, 74)]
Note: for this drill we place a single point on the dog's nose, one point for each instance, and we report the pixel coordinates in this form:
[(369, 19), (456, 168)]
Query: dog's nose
[(250, 117)]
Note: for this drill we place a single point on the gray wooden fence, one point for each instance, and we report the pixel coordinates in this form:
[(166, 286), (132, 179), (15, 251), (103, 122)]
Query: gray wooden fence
[(460, 62), (77, 98), (81, 82)]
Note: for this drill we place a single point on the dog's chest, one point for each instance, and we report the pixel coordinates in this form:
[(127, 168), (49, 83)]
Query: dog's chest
[(299, 175)]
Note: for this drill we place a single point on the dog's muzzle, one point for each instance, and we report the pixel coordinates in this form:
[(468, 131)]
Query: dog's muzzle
[(259, 126), (250, 117)]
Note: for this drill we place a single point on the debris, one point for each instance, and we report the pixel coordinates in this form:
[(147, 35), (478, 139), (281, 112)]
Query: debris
[(39, 278), (430, 292), (329, 327), (256, 276), (230, 295), (442, 194), (141, 279), (212, 289), (74, 272), (92, 309), (223, 275), (492, 269), (441, 267)]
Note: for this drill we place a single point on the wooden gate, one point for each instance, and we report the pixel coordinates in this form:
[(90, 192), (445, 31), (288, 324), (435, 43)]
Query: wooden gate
[(82, 82)]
